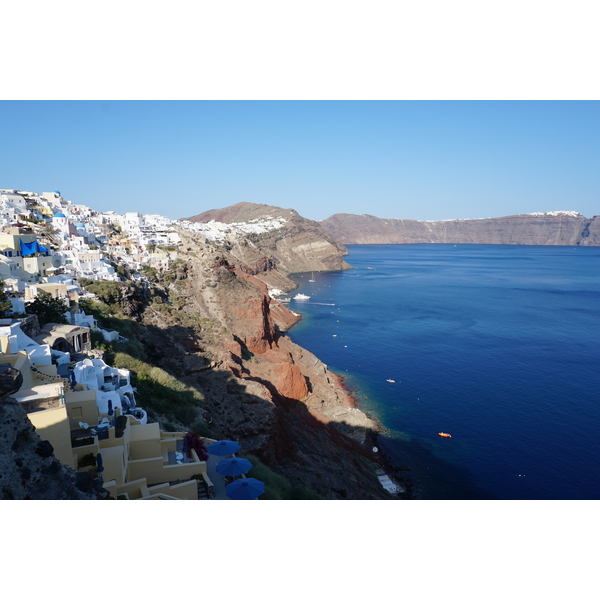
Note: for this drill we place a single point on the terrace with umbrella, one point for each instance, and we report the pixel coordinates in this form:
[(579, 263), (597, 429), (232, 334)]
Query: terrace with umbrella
[(231, 468)]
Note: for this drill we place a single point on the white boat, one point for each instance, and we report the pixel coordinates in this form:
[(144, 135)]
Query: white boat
[(301, 297), (312, 278), (390, 380)]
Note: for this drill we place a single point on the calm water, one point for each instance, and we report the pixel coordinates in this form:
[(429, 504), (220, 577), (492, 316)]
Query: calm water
[(497, 345)]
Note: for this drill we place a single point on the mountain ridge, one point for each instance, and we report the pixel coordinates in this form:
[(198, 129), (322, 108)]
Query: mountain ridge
[(295, 244), (559, 228)]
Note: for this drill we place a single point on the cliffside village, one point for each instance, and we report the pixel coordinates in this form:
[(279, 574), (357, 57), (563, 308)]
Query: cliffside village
[(83, 407)]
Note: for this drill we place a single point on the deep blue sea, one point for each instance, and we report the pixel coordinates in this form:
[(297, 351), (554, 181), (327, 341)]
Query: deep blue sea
[(497, 345)]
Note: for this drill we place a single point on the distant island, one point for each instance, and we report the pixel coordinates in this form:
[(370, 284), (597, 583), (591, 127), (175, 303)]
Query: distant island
[(557, 228)]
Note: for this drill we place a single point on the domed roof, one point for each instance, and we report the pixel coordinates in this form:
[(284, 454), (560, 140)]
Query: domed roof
[(60, 215)]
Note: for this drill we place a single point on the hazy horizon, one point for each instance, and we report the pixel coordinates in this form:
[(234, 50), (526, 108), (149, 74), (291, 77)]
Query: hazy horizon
[(390, 218), (423, 160)]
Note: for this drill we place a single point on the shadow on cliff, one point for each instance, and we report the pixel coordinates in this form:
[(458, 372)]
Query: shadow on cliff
[(296, 444), (287, 437), (278, 430)]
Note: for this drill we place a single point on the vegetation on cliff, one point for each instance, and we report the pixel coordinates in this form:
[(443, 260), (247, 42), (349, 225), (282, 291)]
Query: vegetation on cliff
[(278, 487), (47, 309), (206, 349), (164, 396), (5, 304)]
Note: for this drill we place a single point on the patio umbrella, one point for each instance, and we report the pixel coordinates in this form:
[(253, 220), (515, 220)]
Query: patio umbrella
[(245, 489), (110, 408), (234, 466), (223, 448)]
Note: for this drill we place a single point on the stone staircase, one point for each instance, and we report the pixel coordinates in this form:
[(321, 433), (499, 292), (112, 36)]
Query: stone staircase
[(40, 376)]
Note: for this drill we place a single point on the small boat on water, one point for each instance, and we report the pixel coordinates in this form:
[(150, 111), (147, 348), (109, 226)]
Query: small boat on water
[(444, 435), (312, 278), (301, 297), (391, 380)]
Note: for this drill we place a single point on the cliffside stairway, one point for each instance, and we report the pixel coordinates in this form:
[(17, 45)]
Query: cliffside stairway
[(39, 376)]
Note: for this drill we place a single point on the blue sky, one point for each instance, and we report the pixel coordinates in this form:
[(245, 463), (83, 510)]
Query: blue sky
[(394, 159)]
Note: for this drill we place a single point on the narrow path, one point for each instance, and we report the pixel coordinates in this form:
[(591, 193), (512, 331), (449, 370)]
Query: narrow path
[(216, 478)]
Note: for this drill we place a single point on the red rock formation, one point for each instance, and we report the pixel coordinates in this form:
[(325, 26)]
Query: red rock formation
[(275, 398), (289, 381), (254, 325), (257, 283), (233, 347)]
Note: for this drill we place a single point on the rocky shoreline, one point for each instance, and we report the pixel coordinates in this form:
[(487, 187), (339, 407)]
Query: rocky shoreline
[(219, 330), (397, 473)]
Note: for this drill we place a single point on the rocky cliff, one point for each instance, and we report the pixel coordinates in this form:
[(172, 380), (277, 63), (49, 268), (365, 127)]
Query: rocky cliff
[(212, 324), (544, 229), (279, 401), (300, 245)]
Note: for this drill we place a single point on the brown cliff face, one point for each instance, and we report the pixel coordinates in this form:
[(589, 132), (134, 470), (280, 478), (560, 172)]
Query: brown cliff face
[(276, 399), (560, 228), (301, 245)]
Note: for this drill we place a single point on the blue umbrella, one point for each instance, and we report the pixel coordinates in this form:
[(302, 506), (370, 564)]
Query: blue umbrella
[(245, 489), (99, 466), (110, 408), (234, 466), (223, 448)]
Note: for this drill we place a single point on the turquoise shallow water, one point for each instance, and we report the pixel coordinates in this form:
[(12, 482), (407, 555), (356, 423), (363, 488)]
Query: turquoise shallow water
[(497, 345)]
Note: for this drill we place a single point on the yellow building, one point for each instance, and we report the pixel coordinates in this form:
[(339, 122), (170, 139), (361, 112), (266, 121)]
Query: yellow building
[(56, 290), (160, 260), (32, 266), (10, 241), (139, 461)]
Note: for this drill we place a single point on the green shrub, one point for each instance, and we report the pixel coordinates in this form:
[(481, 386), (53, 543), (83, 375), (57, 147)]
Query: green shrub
[(278, 487), (47, 309), (124, 325), (107, 291), (160, 391), (98, 340), (120, 425)]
